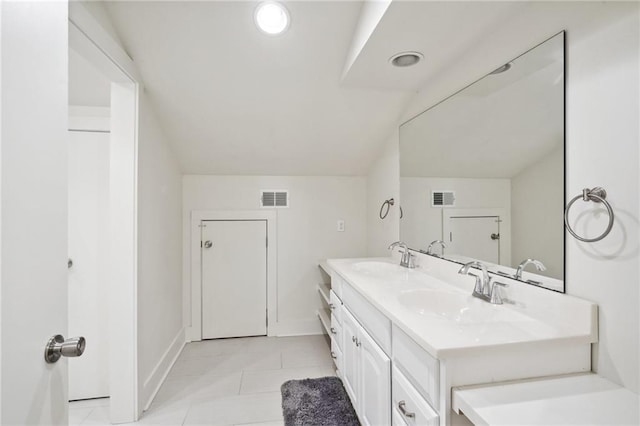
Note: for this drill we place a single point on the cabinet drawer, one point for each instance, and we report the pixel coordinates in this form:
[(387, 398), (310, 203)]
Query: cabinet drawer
[(336, 354), (408, 404), (336, 331), (378, 326), (335, 304), (422, 369)]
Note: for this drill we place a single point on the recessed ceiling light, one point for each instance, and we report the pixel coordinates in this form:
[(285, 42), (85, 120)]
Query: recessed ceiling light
[(272, 17), (406, 59)]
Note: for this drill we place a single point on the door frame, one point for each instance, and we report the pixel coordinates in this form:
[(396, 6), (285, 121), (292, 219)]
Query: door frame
[(504, 250), (194, 331), (88, 38)]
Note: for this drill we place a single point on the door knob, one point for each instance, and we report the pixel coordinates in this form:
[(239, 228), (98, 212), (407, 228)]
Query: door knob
[(208, 244), (57, 347), (495, 236)]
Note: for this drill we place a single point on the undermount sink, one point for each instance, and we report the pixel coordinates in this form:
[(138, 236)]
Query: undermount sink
[(457, 307)]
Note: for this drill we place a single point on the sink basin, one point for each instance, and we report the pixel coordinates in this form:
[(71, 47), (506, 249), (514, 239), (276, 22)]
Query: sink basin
[(457, 307)]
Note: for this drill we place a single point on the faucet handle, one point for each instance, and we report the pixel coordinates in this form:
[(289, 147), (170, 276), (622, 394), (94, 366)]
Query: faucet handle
[(496, 296)]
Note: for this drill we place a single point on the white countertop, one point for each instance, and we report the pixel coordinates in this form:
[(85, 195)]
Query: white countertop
[(545, 317), (584, 399)]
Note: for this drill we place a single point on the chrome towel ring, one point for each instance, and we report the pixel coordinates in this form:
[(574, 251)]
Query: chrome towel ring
[(597, 195)]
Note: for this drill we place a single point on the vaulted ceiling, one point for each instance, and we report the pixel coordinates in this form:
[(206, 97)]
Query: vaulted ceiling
[(322, 98)]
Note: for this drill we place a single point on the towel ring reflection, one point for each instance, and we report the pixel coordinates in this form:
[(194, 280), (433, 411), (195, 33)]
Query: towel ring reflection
[(597, 195), (386, 206)]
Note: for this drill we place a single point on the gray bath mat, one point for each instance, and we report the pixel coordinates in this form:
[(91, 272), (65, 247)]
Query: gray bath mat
[(317, 402)]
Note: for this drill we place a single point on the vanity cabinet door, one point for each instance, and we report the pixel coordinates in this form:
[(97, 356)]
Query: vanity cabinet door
[(375, 382), (350, 354)]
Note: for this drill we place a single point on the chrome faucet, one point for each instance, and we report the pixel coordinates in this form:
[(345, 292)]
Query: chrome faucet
[(430, 248), (407, 258), (484, 289), (539, 267)]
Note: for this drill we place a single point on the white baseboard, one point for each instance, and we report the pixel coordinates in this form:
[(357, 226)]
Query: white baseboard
[(296, 328), (152, 384), (191, 336)]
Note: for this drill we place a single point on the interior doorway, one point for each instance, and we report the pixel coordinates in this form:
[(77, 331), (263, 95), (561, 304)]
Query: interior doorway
[(234, 278), (477, 234), (88, 211), (226, 231), (114, 71)]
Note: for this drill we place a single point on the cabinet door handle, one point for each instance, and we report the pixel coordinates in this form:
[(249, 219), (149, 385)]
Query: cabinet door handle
[(333, 330), (353, 339), (358, 343), (332, 306), (404, 411), (333, 355)]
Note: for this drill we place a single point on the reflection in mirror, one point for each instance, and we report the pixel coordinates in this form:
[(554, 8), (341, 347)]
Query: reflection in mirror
[(483, 170)]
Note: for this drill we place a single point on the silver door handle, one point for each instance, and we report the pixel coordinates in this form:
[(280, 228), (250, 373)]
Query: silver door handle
[(333, 330), (208, 244), (58, 347)]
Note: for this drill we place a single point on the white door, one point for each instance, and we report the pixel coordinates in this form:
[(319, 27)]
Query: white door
[(477, 237), (234, 278), (33, 225), (88, 202)]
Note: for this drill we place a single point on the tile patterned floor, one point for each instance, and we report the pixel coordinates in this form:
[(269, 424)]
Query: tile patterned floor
[(225, 382)]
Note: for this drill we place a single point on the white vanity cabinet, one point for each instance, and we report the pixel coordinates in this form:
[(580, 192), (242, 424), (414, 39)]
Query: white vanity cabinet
[(399, 364), (366, 373)]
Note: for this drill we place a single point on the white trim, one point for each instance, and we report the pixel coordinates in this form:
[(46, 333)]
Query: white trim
[(92, 119), (505, 227), (88, 38), (157, 377), (123, 256), (194, 333)]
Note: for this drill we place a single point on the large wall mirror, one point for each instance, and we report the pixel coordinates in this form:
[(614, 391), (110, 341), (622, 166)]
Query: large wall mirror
[(483, 170)]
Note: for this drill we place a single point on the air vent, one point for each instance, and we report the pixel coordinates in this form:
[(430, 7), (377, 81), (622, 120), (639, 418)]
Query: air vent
[(274, 199), (443, 198)]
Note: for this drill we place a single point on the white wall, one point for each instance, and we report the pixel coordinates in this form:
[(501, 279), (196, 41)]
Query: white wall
[(422, 223), (158, 198), (306, 233), (160, 330), (383, 182), (602, 81), (537, 225), (602, 150)]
